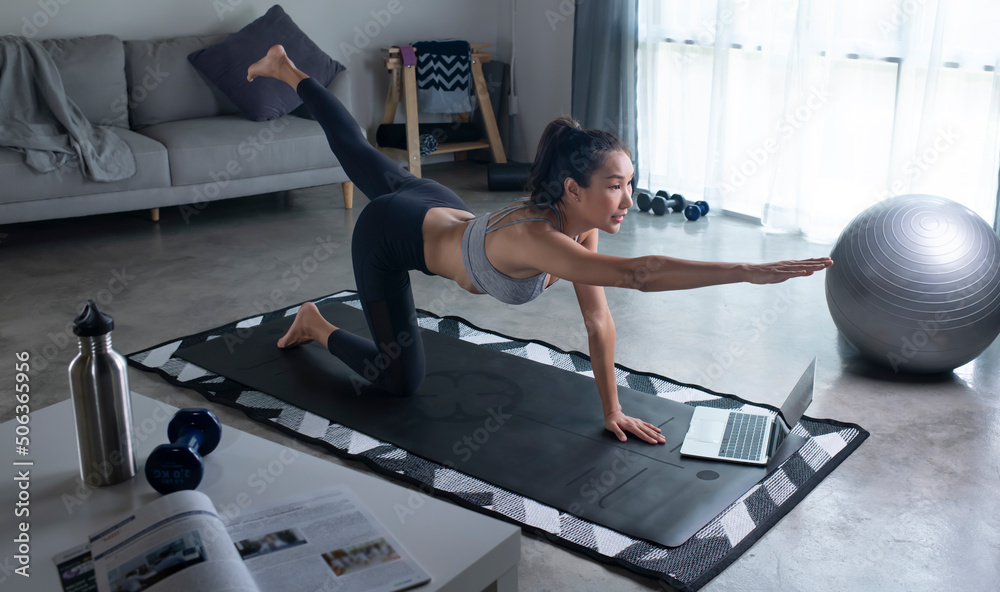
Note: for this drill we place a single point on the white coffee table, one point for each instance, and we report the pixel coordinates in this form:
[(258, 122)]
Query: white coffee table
[(461, 550)]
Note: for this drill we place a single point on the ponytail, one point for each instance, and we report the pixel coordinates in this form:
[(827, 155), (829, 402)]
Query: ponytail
[(565, 150)]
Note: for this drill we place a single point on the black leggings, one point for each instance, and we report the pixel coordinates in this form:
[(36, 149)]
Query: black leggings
[(387, 243)]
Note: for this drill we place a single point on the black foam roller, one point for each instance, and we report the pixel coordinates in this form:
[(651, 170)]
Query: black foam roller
[(393, 135), (510, 176)]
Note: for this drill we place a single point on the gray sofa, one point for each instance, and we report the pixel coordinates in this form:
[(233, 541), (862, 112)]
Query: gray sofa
[(190, 143)]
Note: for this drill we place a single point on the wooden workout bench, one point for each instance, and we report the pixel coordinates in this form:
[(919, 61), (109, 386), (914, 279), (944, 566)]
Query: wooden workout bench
[(404, 80)]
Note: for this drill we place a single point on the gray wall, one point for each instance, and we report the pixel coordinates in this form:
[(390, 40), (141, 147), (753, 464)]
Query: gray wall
[(543, 72), (351, 31)]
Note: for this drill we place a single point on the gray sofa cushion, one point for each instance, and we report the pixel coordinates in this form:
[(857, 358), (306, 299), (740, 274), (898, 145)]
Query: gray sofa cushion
[(217, 149), (165, 86), (21, 183), (93, 74)]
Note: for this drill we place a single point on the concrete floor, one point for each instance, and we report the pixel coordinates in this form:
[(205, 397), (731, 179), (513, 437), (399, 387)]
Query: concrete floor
[(917, 507)]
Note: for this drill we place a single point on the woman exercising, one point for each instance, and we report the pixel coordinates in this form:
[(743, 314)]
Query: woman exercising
[(580, 184)]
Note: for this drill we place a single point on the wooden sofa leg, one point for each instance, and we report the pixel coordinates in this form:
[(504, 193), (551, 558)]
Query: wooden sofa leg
[(348, 195), (154, 214)]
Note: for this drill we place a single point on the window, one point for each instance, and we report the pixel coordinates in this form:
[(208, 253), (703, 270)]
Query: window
[(802, 114)]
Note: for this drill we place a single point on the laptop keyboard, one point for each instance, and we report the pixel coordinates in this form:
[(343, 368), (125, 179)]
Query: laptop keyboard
[(744, 437)]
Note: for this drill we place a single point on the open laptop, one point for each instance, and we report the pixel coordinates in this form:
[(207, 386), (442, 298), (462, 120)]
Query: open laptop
[(749, 437)]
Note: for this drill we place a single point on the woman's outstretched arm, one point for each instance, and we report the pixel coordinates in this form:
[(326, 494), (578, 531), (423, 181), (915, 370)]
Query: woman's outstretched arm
[(655, 273), (570, 260)]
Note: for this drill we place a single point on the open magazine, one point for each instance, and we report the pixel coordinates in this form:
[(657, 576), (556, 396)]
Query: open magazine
[(325, 540)]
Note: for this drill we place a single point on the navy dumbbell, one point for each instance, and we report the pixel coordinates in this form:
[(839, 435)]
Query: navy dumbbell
[(644, 201), (193, 433), (677, 203), (662, 200), (658, 204), (695, 210)]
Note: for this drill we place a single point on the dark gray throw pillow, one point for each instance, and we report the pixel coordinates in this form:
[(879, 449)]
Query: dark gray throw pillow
[(226, 63)]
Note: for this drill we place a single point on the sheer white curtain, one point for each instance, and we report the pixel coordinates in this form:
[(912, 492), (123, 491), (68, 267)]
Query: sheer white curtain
[(804, 113)]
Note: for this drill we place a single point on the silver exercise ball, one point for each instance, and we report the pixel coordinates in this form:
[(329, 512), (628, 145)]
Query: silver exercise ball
[(915, 284)]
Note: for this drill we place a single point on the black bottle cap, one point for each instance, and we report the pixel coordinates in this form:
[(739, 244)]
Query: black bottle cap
[(92, 322)]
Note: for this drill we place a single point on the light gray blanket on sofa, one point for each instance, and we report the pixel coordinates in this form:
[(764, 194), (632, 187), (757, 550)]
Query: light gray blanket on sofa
[(39, 120)]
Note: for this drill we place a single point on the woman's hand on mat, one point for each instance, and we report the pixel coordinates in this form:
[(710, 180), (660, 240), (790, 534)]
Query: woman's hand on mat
[(779, 271), (618, 423)]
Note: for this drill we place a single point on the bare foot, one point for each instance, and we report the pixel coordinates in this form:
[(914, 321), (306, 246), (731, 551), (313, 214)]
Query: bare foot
[(276, 64), (309, 325)]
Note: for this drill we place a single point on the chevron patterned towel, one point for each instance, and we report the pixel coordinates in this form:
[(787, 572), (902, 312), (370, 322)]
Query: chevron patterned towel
[(444, 76)]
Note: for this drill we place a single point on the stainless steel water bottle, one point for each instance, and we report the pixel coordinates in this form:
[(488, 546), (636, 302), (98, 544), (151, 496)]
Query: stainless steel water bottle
[(98, 381)]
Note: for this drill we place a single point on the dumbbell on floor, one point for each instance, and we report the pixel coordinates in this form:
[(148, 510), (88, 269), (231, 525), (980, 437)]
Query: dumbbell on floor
[(658, 204), (663, 200), (644, 201), (676, 202), (193, 433), (695, 210)]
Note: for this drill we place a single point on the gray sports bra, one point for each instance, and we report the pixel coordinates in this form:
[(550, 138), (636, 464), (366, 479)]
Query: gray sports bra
[(486, 278)]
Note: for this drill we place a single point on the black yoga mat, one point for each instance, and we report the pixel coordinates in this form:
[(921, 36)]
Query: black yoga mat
[(687, 567), (519, 424)]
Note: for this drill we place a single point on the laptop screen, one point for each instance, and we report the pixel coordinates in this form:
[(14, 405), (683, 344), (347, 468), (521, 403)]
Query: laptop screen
[(800, 397)]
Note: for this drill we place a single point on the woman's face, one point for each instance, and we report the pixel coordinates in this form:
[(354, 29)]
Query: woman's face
[(609, 196)]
